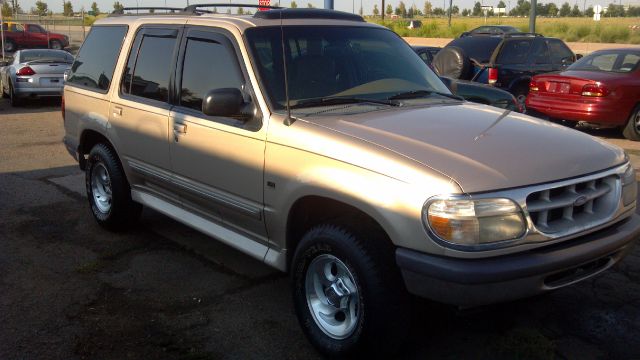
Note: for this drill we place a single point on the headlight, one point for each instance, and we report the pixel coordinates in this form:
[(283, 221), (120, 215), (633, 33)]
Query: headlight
[(629, 186), (469, 223)]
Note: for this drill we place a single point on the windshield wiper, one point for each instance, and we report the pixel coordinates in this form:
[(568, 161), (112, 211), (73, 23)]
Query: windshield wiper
[(416, 94), (337, 100)]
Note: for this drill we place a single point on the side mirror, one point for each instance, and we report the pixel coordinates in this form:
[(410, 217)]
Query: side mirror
[(223, 102), (579, 56)]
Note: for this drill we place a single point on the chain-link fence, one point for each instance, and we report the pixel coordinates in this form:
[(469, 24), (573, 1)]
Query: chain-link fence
[(72, 26)]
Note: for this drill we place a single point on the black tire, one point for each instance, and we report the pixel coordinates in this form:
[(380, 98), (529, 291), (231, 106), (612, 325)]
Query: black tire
[(122, 212), (520, 92), (55, 44), (384, 304), (631, 131), (14, 100), (9, 46)]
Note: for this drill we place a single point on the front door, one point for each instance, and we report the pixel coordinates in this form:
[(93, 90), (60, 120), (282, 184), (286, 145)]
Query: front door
[(217, 161)]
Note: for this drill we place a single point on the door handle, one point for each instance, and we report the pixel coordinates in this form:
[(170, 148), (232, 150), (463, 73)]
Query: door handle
[(117, 110), (177, 130)]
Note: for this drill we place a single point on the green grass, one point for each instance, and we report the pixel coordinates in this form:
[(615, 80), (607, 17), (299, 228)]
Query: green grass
[(608, 30)]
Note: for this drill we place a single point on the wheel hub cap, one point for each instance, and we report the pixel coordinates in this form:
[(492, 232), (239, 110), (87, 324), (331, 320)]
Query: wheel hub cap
[(332, 296), (101, 188)]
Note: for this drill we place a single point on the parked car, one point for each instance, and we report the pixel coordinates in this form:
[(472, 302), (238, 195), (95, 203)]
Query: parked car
[(342, 159), (470, 91), (507, 62), (34, 73), (491, 30), (28, 36), (602, 88)]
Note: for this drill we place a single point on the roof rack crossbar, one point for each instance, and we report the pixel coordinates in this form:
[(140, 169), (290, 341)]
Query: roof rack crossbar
[(138, 8), (194, 9)]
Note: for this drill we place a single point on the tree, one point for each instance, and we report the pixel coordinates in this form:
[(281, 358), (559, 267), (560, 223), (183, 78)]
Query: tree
[(67, 9), (501, 5), (614, 10), (94, 8), (41, 8), (565, 10), (589, 12), (6, 9), (294, 4), (389, 9), (240, 11), (117, 6), (428, 8), (575, 12), (552, 9), (438, 11), (376, 12), (466, 12), (310, 5), (361, 12), (477, 9), (403, 9)]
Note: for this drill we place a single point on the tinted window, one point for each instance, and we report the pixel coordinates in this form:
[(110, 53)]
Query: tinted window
[(514, 52), (36, 29), (97, 58), (150, 76), (45, 56), (541, 53), (559, 52), (629, 62), (478, 48), (614, 61), (207, 65)]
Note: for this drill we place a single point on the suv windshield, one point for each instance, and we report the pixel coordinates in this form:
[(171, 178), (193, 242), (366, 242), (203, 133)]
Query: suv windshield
[(610, 61), (335, 62)]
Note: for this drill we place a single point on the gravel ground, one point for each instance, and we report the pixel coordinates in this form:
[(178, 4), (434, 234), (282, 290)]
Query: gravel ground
[(70, 290)]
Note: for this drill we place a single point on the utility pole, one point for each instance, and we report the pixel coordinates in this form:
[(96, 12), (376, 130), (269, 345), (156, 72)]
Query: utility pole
[(450, 10), (532, 16), (383, 10), (328, 4)]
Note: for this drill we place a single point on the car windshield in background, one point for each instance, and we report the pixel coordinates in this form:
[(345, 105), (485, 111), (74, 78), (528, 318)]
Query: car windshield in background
[(610, 61), (325, 63), (45, 56), (495, 30), (479, 49)]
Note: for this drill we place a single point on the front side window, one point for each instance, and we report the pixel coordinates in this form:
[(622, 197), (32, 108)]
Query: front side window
[(330, 62), (149, 65), (208, 65), (96, 61), (560, 53)]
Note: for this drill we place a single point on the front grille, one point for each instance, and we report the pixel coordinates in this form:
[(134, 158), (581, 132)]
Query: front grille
[(573, 208)]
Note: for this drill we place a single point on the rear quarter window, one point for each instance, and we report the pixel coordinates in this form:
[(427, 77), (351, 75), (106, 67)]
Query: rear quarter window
[(96, 61)]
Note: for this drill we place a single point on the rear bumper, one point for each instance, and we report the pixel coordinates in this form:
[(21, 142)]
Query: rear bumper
[(598, 111), (38, 91), (475, 282)]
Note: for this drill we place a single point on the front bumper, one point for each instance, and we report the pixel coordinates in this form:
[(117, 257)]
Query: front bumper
[(475, 282)]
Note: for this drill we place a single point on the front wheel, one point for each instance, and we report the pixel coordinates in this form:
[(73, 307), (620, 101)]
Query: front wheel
[(108, 190), (348, 293), (56, 45), (632, 130)]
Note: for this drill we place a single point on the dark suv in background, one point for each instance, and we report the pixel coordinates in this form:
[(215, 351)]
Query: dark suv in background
[(507, 61)]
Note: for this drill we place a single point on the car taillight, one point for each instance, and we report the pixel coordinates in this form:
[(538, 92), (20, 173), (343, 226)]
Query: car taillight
[(533, 86), (25, 71), (595, 90), (493, 75)]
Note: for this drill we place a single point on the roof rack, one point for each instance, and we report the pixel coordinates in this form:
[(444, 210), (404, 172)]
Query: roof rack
[(523, 34), (195, 8), (307, 14), (150, 10)]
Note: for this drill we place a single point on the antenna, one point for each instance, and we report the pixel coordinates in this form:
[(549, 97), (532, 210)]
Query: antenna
[(287, 120)]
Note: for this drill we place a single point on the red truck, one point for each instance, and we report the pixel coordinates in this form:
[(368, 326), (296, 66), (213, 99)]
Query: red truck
[(31, 36)]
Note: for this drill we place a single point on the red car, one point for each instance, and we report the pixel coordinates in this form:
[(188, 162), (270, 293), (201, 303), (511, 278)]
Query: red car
[(602, 88), (30, 36)]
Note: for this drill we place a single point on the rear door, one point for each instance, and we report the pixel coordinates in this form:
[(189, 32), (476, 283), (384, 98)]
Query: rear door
[(217, 161), (139, 113), (512, 60), (36, 36), (561, 55)]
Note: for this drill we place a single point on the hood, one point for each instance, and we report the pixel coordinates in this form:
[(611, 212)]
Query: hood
[(482, 148)]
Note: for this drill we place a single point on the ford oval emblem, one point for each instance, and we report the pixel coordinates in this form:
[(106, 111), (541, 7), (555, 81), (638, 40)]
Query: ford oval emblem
[(581, 200)]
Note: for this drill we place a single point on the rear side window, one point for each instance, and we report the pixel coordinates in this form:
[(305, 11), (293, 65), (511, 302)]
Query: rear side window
[(208, 65), (514, 52), (149, 64), (94, 65), (559, 52)]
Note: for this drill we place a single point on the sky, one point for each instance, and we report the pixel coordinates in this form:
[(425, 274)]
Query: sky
[(343, 5)]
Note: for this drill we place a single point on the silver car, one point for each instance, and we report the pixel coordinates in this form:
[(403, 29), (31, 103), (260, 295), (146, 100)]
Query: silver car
[(34, 73)]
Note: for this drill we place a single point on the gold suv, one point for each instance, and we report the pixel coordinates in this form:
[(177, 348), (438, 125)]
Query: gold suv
[(325, 147)]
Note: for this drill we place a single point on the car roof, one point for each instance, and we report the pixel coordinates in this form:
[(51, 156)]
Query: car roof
[(290, 17)]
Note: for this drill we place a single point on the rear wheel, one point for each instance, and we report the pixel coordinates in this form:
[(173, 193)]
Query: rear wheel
[(108, 190), (56, 45), (9, 46), (632, 130), (348, 293), (14, 100)]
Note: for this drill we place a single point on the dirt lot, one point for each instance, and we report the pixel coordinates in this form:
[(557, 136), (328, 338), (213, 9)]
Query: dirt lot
[(70, 290)]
